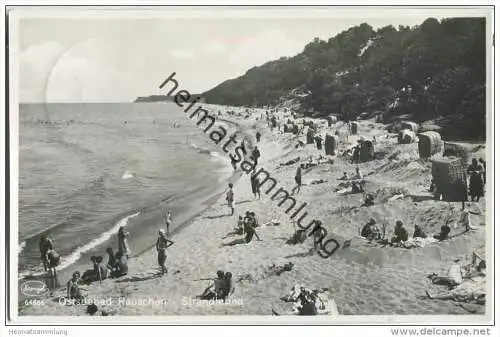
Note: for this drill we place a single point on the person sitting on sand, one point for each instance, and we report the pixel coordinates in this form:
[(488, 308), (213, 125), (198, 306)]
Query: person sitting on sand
[(162, 243), (214, 290), (238, 230), (227, 288), (358, 186), (419, 232), (344, 177), (249, 232), (230, 198), (100, 269), (252, 218), (444, 234), (112, 263), (121, 265), (369, 201), (358, 174), (73, 288), (400, 233), (370, 231)]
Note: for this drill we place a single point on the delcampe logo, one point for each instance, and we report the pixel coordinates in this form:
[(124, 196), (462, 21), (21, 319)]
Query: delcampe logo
[(33, 288)]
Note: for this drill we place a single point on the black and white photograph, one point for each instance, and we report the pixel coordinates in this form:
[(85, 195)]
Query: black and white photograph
[(250, 163)]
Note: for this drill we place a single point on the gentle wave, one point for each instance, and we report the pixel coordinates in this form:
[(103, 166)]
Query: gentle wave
[(75, 256)]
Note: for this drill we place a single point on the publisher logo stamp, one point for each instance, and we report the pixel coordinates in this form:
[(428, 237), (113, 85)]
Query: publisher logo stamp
[(33, 288)]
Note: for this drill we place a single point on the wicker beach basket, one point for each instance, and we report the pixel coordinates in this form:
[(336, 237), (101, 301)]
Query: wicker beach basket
[(354, 128), (367, 151), (456, 150), (343, 136), (429, 144), (331, 144), (406, 137), (412, 126), (450, 178)]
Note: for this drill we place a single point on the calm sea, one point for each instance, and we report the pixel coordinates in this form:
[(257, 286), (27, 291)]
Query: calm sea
[(86, 169)]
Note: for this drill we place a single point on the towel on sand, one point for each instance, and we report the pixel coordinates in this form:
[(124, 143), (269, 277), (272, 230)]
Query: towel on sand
[(416, 242)]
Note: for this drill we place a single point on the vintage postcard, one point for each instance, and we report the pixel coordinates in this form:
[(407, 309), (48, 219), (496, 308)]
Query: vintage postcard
[(224, 165)]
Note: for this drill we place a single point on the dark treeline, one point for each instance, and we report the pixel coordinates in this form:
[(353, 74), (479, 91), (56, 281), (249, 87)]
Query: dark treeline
[(435, 71)]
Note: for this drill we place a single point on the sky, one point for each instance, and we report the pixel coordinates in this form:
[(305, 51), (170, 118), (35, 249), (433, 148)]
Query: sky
[(101, 58)]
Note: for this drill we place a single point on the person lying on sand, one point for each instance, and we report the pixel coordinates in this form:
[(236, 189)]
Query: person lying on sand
[(453, 277), (400, 233), (214, 290), (472, 290)]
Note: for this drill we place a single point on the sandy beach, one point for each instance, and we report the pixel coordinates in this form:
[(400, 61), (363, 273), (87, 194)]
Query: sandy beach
[(363, 278)]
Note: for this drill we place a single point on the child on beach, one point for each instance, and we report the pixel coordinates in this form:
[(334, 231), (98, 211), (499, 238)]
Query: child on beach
[(73, 289), (162, 243), (230, 198), (168, 221)]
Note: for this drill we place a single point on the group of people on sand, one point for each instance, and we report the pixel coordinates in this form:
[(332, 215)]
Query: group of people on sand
[(462, 283), (371, 232), (220, 288), (116, 265), (246, 226)]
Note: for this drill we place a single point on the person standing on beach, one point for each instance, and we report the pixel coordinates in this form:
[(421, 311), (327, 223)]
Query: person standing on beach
[(256, 155), (123, 248), (45, 244), (162, 243), (298, 180), (257, 136), (230, 198), (168, 221), (255, 183)]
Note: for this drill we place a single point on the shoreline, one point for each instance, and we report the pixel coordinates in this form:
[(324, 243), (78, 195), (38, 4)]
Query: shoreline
[(363, 279)]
